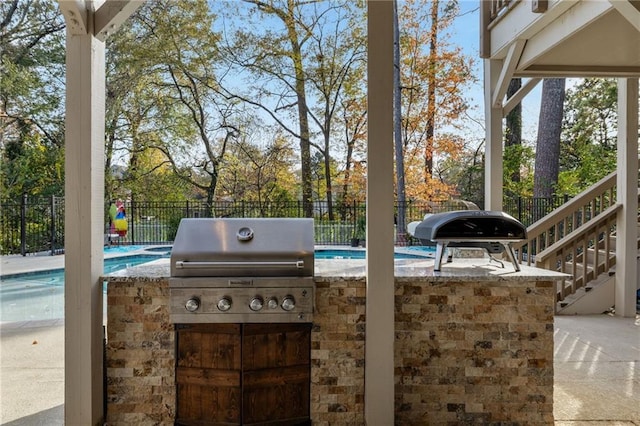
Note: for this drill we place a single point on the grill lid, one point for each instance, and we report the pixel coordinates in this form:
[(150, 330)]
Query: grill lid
[(470, 225), (220, 247)]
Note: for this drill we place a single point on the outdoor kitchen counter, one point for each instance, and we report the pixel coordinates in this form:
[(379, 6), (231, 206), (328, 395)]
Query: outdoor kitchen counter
[(473, 344), (460, 270)]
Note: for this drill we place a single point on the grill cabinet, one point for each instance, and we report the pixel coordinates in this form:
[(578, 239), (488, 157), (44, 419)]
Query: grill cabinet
[(241, 298)]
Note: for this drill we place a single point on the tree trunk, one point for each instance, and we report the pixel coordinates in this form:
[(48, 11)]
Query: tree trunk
[(303, 114), (513, 136), (431, 91), (327, 180), (397, 130), (547, 164)]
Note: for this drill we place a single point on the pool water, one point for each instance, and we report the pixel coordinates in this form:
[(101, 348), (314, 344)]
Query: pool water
[(361, 254), (414, 252), (40, 295), (123, 249)]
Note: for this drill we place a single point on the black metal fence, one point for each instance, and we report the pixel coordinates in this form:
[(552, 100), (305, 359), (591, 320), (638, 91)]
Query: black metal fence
[(35, 225), (32, 225), (530, 210)]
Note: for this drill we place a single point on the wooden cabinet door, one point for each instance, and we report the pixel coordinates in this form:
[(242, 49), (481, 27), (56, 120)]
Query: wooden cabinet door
[(208, 374), (276, 374), (243, 374)]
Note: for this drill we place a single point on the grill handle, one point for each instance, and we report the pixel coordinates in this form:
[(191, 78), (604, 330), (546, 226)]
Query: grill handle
[(182, 264)]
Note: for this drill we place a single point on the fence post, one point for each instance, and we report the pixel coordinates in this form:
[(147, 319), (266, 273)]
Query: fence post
[(53, 225), (354, 215), (520, 208), (132, 233), (23, 225)]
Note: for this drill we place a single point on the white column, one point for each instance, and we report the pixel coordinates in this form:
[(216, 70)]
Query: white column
[(379, 383), (493, 138), (84, 228), (627, 223)]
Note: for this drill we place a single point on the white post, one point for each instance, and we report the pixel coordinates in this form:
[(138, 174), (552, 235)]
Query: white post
[(379, 382), (84, 223), (627, 223), (493, 138)]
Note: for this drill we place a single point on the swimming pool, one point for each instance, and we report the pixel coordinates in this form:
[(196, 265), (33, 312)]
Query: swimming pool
[(337, 252), (340, 253), (40, 295)]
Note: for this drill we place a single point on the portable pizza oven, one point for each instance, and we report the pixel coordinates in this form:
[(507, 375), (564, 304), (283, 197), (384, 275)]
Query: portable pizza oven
[(242, 270), (493, 231)]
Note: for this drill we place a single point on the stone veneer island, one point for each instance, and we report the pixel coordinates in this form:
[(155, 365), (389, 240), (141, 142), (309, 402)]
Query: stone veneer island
[(473, 344)]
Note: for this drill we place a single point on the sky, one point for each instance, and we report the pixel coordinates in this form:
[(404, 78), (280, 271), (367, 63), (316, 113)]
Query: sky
[(466, 34)]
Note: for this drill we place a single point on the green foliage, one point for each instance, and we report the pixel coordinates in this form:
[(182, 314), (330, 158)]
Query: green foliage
[(31, 98), (162, 106), (258, 171), (361, 228), (466, 172), (172, 226), (37, 169), (588, 145), (173, 132), (518, 158)]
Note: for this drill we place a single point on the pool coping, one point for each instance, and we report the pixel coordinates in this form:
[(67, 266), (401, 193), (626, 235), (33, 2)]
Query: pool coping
[(16, 264)]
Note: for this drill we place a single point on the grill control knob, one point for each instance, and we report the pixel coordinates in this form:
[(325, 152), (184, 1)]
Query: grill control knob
[(192, 304), (224, 304), (288, 303), (256, 303), (272, 303)]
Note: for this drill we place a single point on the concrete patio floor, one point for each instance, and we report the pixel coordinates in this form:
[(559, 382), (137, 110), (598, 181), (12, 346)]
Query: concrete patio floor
[(597, 372)]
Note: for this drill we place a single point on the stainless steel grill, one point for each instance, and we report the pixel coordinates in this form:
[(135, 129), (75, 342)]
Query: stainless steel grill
[(242, 270), (489, 230)]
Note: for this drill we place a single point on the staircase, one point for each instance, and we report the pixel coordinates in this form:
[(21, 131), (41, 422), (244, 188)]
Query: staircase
[(578, 238)]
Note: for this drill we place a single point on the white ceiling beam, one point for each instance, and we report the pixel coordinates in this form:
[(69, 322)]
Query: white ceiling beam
[(519, 95), (567, 25), (522, 23), (110, 16), (508, 67), (75, 15), (628, 10)]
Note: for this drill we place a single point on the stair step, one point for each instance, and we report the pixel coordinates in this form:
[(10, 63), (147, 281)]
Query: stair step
[(594, 298)]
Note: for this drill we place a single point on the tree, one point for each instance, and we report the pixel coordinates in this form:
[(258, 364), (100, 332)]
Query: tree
[(397, 129), (128, 107), (433, 83), (259, 171), (177, 108), (295, 70), (431, 89), (467, 172), (513, 131), (278, 57), (353, 123), (548, 143), (336, 70), (31, 97), (155, 179), (589, 134)]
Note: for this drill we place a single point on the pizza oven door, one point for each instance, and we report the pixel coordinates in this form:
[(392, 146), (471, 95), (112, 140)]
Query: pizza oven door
[(243, 374)]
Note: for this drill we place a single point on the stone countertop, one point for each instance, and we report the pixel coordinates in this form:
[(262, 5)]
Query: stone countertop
[(474, 269)]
